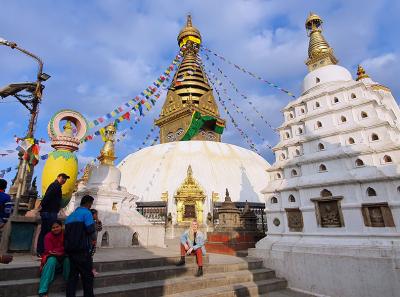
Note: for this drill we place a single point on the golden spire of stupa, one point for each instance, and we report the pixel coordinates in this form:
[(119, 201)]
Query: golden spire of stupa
[(190, 91), (319, 52), (107, 153), (361, 73)]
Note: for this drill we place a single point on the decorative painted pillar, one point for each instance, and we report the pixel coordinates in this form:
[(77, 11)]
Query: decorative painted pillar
[(65, 142)]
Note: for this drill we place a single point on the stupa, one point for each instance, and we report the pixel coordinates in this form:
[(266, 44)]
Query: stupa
[(123, 225), (332, 201), (181, 178)]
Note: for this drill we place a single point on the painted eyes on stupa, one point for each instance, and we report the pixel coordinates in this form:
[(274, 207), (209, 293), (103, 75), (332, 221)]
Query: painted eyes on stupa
[(210, 136), (179, 132), (207, 135), (171, 136)]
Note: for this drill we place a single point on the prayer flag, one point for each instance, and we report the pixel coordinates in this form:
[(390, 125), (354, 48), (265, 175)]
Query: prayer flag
[(127, 116), (148, 106), (140, 109)]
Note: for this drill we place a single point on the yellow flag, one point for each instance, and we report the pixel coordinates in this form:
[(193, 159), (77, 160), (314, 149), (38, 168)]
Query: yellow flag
[(148, 106)]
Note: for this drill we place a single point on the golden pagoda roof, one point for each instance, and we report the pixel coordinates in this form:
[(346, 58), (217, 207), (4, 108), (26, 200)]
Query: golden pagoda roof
[(189, 91)]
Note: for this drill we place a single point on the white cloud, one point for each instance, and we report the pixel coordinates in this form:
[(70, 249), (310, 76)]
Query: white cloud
[(380, 61)]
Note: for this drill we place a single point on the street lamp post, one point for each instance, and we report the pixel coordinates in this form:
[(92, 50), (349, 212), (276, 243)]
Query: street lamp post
[(33, 107)]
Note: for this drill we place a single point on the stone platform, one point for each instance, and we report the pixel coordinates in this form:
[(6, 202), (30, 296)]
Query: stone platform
[(152, 272)]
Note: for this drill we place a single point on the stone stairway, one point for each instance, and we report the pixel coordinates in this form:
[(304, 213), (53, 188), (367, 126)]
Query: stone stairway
[(158, 276)]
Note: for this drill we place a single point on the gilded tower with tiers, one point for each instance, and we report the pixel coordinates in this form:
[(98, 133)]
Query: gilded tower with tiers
[(189, 96), (319, 52)]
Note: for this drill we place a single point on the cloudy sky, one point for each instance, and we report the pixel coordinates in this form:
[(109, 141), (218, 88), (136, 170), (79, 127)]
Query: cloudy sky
[(103, 53)]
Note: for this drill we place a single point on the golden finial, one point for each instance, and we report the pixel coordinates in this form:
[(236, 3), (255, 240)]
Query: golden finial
[(68, 130), (361, 73), (189, 21), (319, 52), (107, 153), (189, 33), (313, 22)]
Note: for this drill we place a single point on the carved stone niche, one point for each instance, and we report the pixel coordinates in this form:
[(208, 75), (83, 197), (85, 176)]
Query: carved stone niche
[(328, 211), (295, 219), (377, 215)]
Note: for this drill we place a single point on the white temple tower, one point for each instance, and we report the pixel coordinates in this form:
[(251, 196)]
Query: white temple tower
[(333, 197)]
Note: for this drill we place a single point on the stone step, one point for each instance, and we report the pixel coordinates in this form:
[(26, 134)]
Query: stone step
[(286, 293), (18, 273), (121, 277), (224, 283), (264, 288)]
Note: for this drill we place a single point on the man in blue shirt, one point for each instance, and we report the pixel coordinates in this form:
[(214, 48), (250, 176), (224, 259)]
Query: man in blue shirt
[(78, 239), (6, 206)]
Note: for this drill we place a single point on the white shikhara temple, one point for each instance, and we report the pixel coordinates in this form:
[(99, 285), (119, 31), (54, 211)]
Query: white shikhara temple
[(333, 199)]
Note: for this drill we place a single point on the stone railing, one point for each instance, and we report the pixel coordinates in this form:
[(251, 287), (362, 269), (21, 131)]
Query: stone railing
[(155, 212)]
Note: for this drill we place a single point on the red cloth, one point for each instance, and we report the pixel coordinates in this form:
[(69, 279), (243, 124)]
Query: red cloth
[(198, 253), (53, 245)]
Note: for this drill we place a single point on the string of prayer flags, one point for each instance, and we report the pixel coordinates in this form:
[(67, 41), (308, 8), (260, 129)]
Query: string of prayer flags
[(241, 132), (4, 171), (153, 128), (238, 110), (137, 109), (234, 87), (155, 140), (203, 48), (147, 93)]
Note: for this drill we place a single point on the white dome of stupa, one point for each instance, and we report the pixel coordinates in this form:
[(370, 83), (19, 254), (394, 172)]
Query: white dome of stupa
[(216, 166), (325, 74)]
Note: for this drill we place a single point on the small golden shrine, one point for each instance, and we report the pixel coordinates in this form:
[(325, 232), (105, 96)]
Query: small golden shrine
[(107, 153), (189, 200)]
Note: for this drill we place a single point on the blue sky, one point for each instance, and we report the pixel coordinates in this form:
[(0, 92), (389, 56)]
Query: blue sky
[(102, 53)]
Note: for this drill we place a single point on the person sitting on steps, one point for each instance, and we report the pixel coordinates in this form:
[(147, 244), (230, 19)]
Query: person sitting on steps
[(192, 243), (53, 259)]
